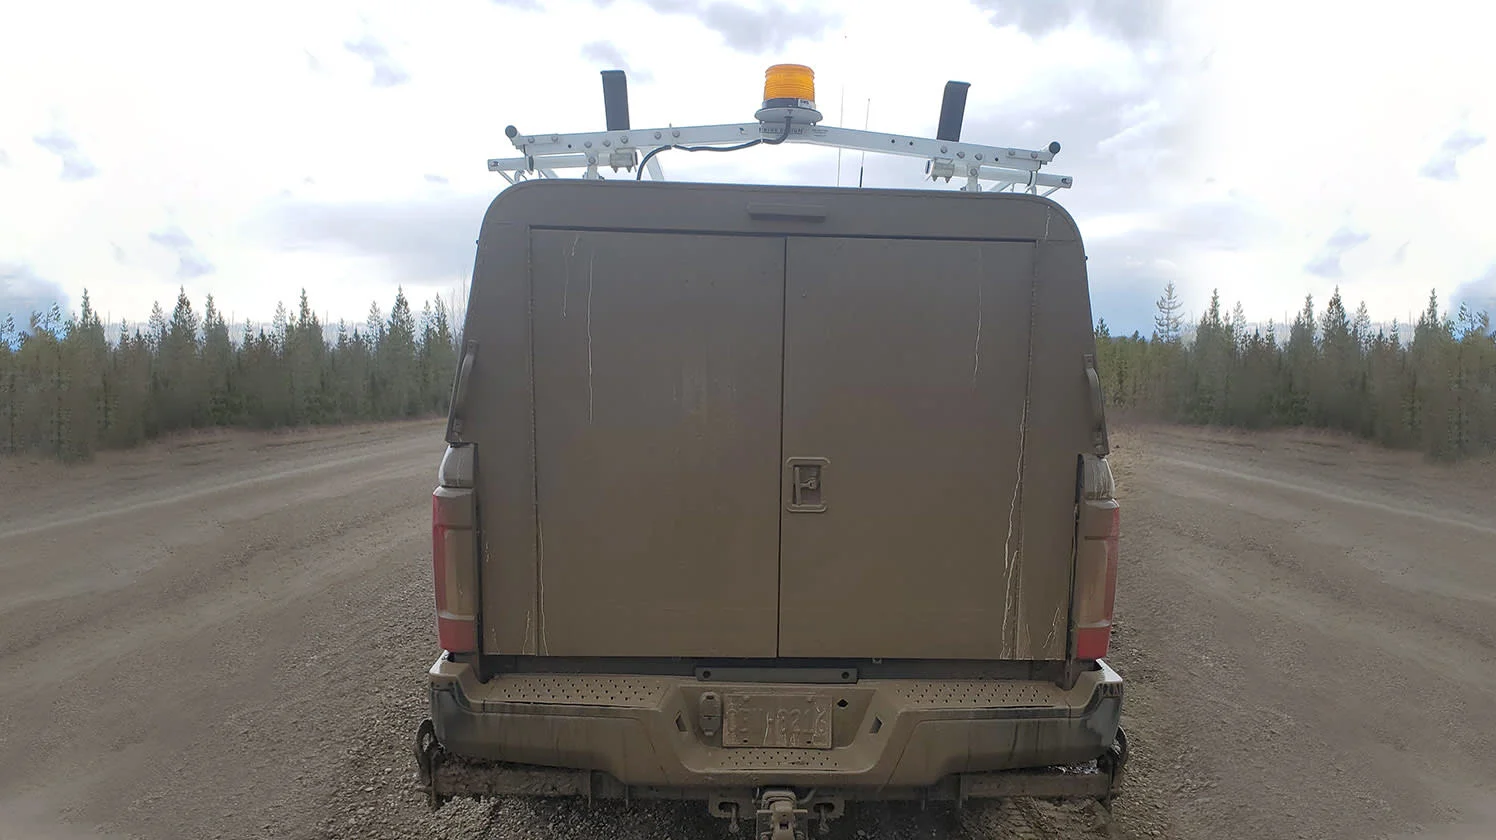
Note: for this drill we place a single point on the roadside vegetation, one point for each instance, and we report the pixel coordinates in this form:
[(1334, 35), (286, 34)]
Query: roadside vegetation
[(1430, 385), (67, 389)]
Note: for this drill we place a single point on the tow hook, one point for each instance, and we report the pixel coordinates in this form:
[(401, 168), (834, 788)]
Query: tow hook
[(779, 817)]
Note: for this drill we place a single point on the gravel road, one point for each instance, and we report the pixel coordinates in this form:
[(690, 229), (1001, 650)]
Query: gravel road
[(226, 635)]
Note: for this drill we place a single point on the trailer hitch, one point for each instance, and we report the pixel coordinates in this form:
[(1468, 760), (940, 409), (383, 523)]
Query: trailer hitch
[(780, 817)]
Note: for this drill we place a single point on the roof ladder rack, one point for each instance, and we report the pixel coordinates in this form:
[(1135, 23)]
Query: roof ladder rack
[(788, 115)]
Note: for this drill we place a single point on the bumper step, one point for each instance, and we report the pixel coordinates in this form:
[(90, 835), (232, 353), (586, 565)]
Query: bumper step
[(444, 776)]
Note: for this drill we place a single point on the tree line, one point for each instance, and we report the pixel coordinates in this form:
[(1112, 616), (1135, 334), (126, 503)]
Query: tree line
[(67, 389), (1430, 385)]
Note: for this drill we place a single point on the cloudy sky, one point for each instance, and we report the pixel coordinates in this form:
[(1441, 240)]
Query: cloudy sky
[(1266, 148)]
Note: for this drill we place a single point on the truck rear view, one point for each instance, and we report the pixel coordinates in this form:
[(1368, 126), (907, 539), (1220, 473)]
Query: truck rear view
[(774, 497)]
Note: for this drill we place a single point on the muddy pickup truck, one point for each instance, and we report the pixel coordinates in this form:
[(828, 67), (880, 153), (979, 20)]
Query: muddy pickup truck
[(774, 498)]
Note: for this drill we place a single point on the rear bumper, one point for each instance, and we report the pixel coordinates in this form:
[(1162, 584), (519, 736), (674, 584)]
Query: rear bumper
[(651, 732)]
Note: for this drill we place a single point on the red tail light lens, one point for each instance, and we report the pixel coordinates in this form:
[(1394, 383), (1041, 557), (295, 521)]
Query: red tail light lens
[(454, 558), (1096, 578)]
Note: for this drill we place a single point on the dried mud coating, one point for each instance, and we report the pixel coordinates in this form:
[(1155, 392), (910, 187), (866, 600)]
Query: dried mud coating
[(227, 636)]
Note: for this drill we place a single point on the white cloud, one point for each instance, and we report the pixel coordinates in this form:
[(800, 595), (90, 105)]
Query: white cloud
[(340, 146), (748, 28), (1139, 21), (75, 166), (191, 264), (22, 293), (1325, 115), (606, 55), (1326, 263), (1479, 293), (1443, 165), (387, 71)]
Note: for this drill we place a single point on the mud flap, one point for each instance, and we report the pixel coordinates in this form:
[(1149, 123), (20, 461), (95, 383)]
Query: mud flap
[(428, 754), (1113, 763)]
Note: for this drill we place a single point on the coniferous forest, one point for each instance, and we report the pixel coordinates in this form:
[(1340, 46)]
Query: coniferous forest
[(1429, 385), (68, 389)]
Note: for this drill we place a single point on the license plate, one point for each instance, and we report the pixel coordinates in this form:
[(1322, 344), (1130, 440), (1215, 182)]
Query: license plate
[(798, 721)]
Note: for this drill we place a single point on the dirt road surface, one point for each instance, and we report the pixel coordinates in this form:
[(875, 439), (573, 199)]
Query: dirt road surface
[(225, 636), (1308, 631)]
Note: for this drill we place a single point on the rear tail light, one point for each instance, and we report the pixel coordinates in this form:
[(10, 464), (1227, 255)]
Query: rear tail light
[(454, 561), (1096, 577)]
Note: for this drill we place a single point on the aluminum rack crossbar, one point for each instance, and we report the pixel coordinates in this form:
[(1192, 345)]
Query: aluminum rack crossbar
[(543, 154)]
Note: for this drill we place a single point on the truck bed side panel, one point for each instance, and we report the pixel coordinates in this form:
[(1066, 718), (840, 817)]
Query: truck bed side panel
[(1059, 428), (498, 421)]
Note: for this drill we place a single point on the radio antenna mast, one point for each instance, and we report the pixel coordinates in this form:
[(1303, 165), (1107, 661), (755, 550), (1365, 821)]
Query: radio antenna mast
[(861, 167), (841, 118)]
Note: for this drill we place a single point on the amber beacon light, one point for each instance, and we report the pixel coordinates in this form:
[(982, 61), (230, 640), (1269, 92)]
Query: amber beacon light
[(789, 94)]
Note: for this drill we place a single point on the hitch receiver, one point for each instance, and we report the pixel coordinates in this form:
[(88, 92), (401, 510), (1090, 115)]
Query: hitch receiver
[(780, 817)]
